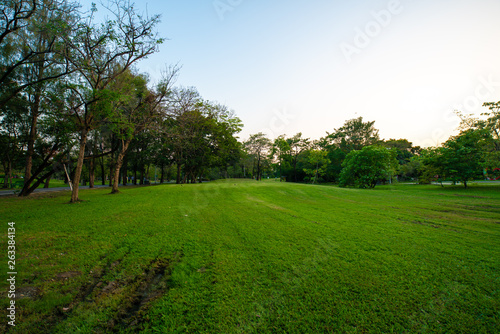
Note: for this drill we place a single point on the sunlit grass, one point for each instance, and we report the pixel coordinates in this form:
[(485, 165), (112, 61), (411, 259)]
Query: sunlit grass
[(250, 257)]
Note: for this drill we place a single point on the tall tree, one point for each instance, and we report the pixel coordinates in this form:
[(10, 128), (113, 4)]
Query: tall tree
[(281, 151), (13, 124), (463, 155), (318, 162), (258, 145), (353, 135), (43, 41), (491, 125), (298, 145), (183, 110), (100, 54), (138, 109)]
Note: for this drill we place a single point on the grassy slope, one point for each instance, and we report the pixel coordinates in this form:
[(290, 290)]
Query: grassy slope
[(248, 257)]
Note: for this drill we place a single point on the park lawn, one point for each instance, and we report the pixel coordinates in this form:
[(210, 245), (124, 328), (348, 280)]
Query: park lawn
[(256, 257)]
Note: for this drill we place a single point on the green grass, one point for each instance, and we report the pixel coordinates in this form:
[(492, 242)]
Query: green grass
[(249, 257)]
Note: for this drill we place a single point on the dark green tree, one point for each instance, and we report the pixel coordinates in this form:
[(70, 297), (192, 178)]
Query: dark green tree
[(353, 135), (258, 146), (366, 167), (462, 157), (281, 152), (100, 53), (318, 162), (298, 145)]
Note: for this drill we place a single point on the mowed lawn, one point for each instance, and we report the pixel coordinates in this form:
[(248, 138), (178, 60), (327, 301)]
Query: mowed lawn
[(250, 257)]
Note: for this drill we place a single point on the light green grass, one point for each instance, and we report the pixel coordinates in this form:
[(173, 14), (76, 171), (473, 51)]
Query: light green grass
[(250, 257)]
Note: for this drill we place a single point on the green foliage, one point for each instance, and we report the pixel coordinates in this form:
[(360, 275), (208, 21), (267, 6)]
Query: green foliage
[(281, 152), (404, 149), (353, 135), (258, 147), (336, 156), (318, 161), (461, 158), (366, 167), (463, 155)]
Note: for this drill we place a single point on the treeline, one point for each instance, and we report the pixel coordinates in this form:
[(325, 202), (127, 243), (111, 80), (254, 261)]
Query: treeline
[(354, 155), (72, 103)]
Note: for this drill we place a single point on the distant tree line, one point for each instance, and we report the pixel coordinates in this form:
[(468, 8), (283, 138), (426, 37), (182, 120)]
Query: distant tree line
[(354, 155)]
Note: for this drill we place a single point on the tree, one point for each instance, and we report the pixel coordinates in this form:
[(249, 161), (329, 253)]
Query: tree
[(319, 161), (43, 42), (179, 129), (12, 126), (462, 157), (353, 135), (100, 54), (138, 109), (55, 139), (405, 151), (430, 165), (31, 36), (281, 150), (490, 126), (298, 145), (366, 167), (258, 145), (15, 15), (225, 149), (200, 134)]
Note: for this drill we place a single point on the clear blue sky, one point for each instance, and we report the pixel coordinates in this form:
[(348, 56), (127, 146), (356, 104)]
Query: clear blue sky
[(307, 66)]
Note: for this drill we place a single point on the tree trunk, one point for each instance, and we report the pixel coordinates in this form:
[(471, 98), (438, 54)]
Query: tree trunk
[(92, 163), (79, 166), (46, 185), (162, 173), (8, 175), (32, 137), (125, 172), (40, 180), (258, 170), (5, 179), (103, 172), (178, 180), (295, 169), (27, 188), (118, 166), (91, 173), (111, 169)]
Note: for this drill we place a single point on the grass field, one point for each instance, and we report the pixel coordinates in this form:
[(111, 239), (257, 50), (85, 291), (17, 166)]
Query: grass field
[(249, 257)]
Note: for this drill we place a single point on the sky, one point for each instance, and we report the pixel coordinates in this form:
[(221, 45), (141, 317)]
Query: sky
[(308, 66)]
